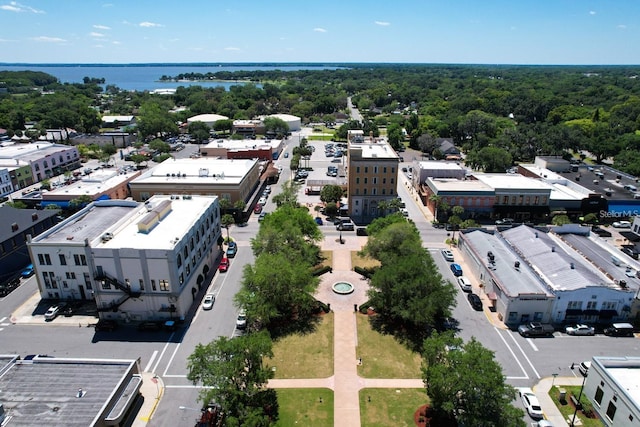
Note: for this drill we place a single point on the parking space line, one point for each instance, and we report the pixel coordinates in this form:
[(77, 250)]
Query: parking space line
[(533, 346), (162, 354), (3, 319), (525, 356), (153, 356), (526, 377), (171, 360)]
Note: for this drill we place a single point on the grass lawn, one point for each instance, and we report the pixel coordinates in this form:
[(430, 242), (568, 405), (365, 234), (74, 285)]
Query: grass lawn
[(390, 407), (567, 409), (302, 407), (364, 262), (328, 258), (305, 355), (382, 356)]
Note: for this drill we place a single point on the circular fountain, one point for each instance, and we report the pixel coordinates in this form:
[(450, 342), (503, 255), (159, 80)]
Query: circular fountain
[(342, 288)]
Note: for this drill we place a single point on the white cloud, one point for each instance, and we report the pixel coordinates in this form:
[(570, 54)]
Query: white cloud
[(196, 49), (232, 48), (150, 24), (94, 34), (107, 5), (319, 30), (592, 12), (115, 42), (98, 46), (48, 39), (101, 27), (382, 23), (622, 27), (14, 6)]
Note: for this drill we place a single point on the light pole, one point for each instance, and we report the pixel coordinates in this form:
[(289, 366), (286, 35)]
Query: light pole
[(573, 419)]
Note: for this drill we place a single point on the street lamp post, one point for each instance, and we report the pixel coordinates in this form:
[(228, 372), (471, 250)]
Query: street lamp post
[(573, 419)]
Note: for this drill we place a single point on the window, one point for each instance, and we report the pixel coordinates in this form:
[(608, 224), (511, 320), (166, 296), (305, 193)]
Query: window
[(141, 284), (599, 395), (375, 180), (153, 285), (87, 281), (384, 180), (179, 261), (357, 169), (384, 169), (188, 268), (366, 180), (181, 278), (105, 285), (358, 180), (375, 169), (366, 169), (611, 411), (80, 259), (63, 259), (574, 305), (71, 275), (591, 305), (164, 285), (505, 200), (64, 284), (608, 305)]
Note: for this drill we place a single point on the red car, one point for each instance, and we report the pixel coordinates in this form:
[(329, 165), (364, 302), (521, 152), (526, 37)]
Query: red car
[(257, 209), (224, 265)]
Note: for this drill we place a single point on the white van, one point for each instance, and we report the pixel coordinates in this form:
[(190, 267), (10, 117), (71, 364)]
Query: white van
[(631, 188)]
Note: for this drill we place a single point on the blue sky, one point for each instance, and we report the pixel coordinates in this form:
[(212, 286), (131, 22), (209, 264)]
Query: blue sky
[(416, 31)]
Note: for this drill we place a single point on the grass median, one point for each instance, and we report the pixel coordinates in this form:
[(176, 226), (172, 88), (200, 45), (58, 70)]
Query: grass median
[(390, 407), (305, 407)]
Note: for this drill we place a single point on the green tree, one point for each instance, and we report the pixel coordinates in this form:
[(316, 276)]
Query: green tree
[(233, 374), (199, 130), (331, 193), (138, 159), (80, 202), (227, 221), (407, 290), (395, 136), (466, 384), (277, 126), (223, 125), (288, 195), (159, 145), (490, 159), (560, 220), (155, 120)]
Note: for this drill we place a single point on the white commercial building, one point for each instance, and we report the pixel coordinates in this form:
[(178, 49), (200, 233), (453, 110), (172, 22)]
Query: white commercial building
[(139, 261), (208, 119), (613, 386)]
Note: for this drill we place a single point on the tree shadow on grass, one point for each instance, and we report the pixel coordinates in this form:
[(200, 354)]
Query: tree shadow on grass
[(283, 327), (408, 334)]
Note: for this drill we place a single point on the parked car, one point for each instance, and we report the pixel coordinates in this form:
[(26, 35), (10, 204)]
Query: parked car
[(621, 224), (456, 269), (584, 368), (631, 251), (232, 249), (52, 312), (318, 220), (580, 329), (262, 201), (464, 283), (257, 209), (286, 155), (531, 403), (207, 302), (241, 321), (475, 301), (447, 254), (224, 265), (619, 330), (504, 221), (28, 271), (261, 217)]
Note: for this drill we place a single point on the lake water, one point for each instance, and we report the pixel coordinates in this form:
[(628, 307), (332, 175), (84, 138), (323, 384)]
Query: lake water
[(144, 77)]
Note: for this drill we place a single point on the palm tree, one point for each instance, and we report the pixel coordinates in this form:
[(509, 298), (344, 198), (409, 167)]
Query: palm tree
[(226, 221), (437, 200)]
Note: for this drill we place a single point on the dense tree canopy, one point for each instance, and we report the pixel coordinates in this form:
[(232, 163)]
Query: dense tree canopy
[(465, 383)]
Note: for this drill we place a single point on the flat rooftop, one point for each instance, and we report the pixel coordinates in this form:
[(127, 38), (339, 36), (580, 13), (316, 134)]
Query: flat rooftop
[(43, 391), (511, 181), (522, 281), (198, 171), (244, 144), (95, 183), (121, 218), (374, 150), (444, 185), (596, 252), (560, 266), (33, 151), (625, 371), (435, 164)]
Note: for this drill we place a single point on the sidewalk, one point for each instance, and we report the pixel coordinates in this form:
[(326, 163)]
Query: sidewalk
[(551, 411)]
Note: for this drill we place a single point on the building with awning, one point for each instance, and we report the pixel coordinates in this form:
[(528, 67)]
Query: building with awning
[(550, 275)]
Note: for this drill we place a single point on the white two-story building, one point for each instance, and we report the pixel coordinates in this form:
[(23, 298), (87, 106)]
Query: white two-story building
[(138, 261)]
